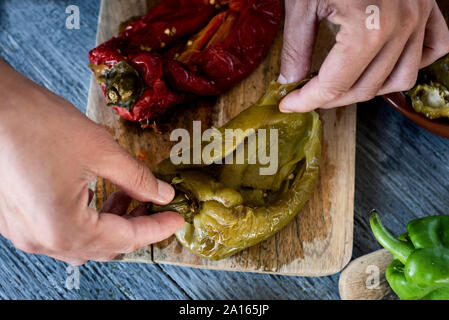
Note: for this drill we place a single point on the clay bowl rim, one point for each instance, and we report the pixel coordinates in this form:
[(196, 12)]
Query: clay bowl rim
[(401, 103)]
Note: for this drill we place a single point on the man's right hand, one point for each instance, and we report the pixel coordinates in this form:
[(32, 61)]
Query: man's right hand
[(49, 151), (364, 62)]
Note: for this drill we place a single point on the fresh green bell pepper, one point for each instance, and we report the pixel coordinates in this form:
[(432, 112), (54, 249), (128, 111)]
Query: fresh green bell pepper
[(229, 207), (420, 269)]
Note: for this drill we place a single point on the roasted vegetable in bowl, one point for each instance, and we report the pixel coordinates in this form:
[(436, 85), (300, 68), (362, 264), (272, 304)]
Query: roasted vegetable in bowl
[(229, 207), (431, 97)]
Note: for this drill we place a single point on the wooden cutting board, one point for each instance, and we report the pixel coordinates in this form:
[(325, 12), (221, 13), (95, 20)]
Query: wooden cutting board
[(319, 240)]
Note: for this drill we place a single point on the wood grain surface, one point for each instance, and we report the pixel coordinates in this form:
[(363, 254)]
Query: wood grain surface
[(319, 240), (364, 278)]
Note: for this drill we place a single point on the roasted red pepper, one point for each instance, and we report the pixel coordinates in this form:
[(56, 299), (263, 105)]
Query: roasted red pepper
[(182, 49)]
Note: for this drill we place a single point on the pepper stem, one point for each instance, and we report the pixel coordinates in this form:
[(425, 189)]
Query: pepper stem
[(180, 204), (399, 249)]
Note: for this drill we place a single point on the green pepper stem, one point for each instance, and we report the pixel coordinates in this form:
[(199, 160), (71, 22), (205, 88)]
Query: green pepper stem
[(180, 205), (400, 249)]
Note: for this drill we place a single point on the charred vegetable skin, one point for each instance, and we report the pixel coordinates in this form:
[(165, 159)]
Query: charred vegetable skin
[(229, 207), (420, 270), (182, 49)]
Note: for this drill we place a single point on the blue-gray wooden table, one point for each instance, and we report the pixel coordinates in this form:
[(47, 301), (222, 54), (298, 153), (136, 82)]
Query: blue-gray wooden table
[(401, 170)]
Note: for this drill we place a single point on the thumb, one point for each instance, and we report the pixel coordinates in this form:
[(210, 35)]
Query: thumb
[(301, 25), (133, 177), (111, 234)]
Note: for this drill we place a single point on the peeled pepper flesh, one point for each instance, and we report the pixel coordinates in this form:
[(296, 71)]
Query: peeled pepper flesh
[(420, 269), (229, 207), (432, 97)]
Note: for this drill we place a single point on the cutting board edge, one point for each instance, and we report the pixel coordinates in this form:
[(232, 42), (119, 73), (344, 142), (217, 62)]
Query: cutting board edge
[(290, 274), (349, 241)]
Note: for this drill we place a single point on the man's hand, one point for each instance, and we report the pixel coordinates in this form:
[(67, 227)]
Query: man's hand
[(364, 62), (49, 152)]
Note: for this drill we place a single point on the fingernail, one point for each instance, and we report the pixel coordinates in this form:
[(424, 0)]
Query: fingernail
[(165, 190), (285, 111), (284, 108), (282, 79)]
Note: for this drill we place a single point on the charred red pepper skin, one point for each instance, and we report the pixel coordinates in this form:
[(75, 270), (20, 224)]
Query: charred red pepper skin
[(228, 40)]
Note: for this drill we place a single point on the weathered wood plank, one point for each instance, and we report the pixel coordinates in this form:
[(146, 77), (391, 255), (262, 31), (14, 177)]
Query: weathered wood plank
[(26, 276)]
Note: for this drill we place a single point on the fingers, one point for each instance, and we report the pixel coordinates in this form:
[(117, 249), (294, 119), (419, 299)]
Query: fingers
[(405, 74), (90, 197), (300, 30), (115, 234), (117, 203), (365, 63), (114, 164), (103, 236), (162, 226), (110, 235), (398, 62), (344, 65), (138, 212), (436, 43)]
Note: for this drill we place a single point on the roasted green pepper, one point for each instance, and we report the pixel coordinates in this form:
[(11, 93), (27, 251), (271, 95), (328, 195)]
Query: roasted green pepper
[(431, 96), (420, 269), (229, 207), (431, 99), (438, 72)]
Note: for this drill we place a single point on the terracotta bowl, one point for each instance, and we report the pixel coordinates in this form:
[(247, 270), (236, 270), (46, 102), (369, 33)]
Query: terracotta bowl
[(401, 103)]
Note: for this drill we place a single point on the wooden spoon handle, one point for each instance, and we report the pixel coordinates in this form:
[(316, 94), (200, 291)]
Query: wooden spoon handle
[(364, 278)]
